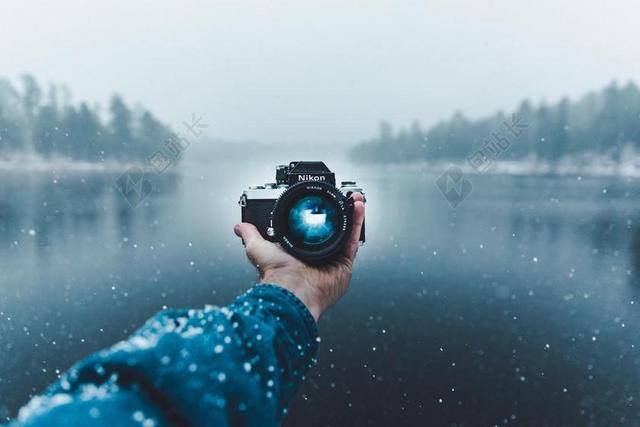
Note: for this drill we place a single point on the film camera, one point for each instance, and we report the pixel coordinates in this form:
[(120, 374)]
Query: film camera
[(303, 210)]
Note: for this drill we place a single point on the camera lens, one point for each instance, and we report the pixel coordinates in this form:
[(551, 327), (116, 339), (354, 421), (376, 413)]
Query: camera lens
[(312, 220)]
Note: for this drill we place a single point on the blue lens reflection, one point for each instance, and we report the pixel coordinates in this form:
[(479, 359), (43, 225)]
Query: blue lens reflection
[(312, 220)]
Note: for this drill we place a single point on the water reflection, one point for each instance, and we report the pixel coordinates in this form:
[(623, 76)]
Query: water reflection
[(50, 207), (634, 254)]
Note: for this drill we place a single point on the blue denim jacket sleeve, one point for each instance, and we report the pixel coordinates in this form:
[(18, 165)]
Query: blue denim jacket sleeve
[(232, 366)]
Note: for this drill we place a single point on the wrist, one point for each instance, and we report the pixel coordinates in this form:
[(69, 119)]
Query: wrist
[(299, 286)]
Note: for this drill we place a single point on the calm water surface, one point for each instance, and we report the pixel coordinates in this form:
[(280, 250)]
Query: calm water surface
[(521, 307)]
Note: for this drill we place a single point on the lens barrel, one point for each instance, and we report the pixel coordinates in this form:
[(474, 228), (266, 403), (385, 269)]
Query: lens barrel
[(312, 221)]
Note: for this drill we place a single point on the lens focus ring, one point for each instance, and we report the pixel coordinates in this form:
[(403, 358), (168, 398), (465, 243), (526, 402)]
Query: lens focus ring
[(312, 221)]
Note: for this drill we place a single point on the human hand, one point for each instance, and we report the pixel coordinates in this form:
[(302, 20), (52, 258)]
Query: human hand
[(317, 286)]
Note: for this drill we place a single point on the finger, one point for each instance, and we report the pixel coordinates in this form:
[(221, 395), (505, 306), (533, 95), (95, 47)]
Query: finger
[(352, 245), (357, 197), (248, 232), (358, 220)]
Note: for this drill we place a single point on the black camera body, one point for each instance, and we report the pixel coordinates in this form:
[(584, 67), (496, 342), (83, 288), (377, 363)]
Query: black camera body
[(303, 210)]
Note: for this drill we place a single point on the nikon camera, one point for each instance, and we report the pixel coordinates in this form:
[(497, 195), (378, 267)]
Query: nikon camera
[(303, 210)]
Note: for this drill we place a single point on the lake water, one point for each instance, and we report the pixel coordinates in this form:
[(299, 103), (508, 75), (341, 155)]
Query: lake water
[(522, 306)]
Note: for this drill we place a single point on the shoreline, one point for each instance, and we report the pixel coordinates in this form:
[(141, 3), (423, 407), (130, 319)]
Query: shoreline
[(594, 168), (57, 165)]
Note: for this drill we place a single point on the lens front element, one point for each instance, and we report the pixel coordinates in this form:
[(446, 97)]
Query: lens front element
[(312, 220)]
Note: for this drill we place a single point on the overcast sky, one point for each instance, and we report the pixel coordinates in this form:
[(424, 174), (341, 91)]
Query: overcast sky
[(321, 71)]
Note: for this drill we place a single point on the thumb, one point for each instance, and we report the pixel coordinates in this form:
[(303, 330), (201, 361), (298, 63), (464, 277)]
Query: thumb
[(248, 232), (251, 238)]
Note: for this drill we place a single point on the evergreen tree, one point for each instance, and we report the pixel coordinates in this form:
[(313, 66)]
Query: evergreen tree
[(151, 135), (47, 131), (31, 97), (120, 143), (11, 137)]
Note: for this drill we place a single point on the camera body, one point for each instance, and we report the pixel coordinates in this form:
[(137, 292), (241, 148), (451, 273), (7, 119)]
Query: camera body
[(259, 202)]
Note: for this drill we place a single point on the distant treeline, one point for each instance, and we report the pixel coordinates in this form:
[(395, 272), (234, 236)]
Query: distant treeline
[(33, 120), (599, 123)]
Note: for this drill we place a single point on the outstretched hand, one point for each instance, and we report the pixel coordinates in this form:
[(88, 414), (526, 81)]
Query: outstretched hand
[(317, 286)]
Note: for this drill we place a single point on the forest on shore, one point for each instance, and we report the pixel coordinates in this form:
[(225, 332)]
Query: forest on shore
[(606, 122), (47, 123)]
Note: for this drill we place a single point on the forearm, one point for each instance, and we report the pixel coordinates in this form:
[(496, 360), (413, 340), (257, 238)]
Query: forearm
[(239, 365)]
